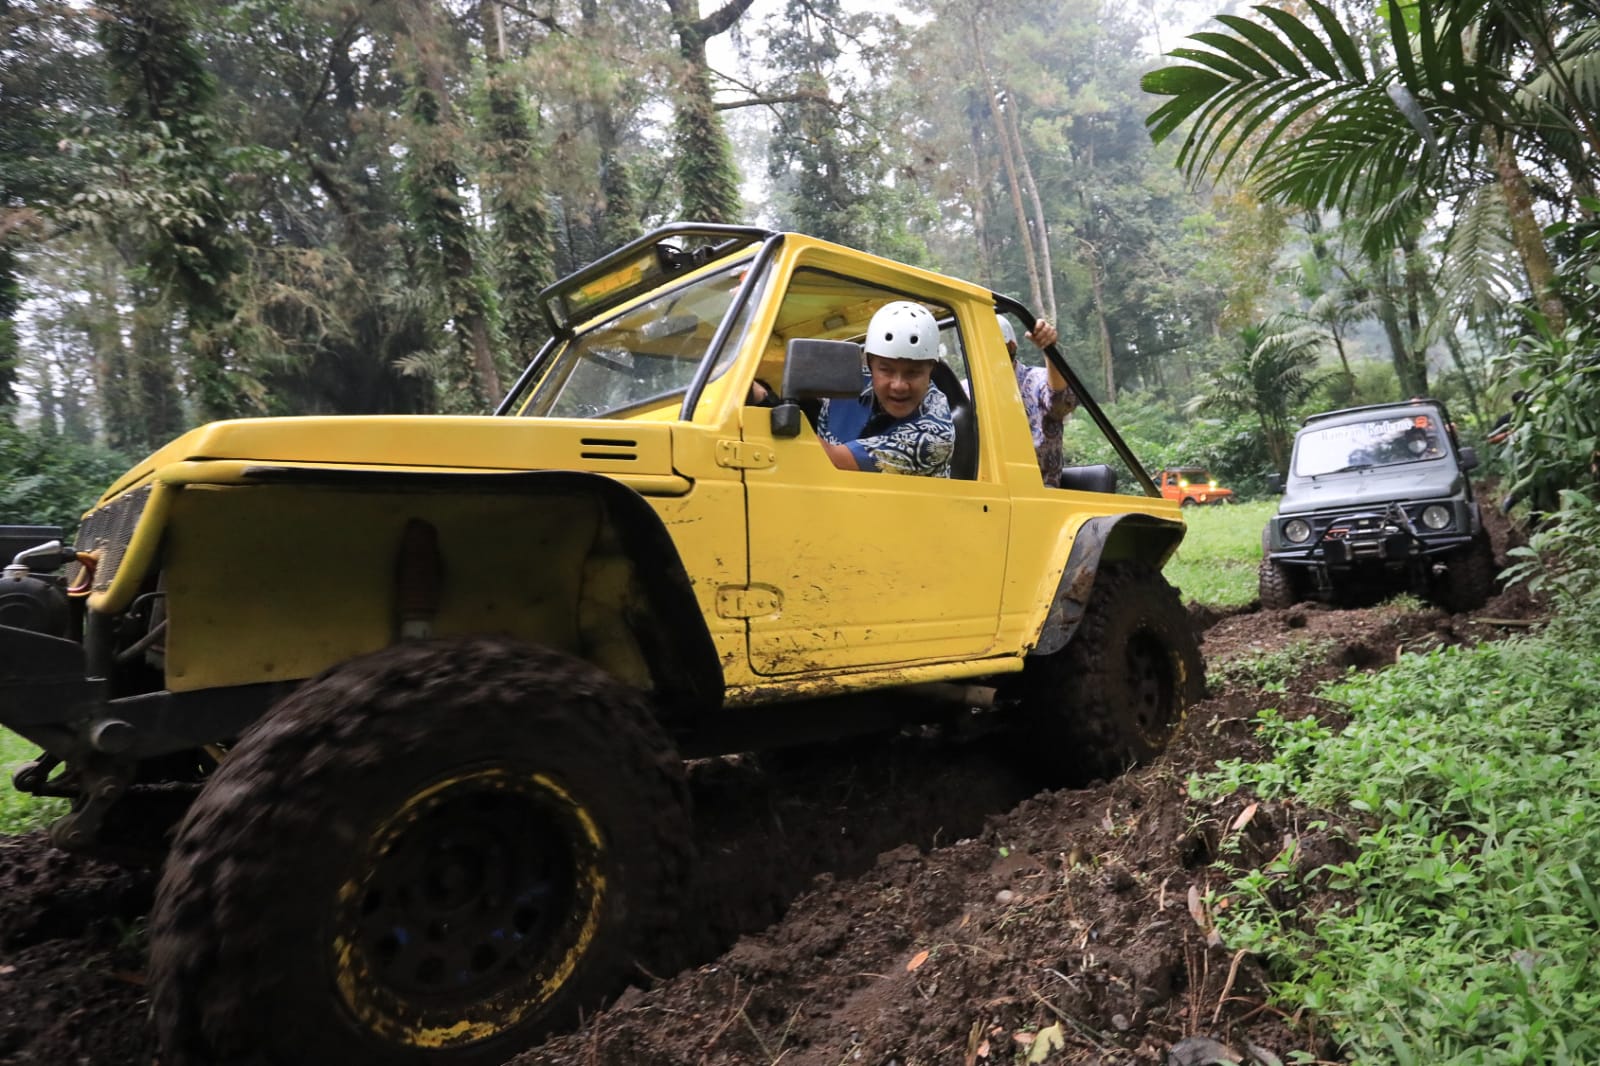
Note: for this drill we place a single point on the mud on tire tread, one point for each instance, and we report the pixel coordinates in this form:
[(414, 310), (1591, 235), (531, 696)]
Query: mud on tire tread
[(240, 934), (1469, 582), (1077, 713), (1278, 586)]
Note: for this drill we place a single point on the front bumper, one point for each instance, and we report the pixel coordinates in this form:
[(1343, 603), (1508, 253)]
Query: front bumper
[(46, 694), (1368, 541), (47, 697)]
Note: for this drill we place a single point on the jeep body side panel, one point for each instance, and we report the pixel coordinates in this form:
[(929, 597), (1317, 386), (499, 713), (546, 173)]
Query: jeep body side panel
[(294, 568)]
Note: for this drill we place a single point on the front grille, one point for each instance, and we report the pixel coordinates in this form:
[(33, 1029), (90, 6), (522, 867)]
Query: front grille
[(108, 531)]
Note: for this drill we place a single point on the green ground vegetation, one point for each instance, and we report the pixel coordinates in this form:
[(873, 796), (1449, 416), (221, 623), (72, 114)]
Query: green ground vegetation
[(1468, 786), (20, 812), (1216, 563)]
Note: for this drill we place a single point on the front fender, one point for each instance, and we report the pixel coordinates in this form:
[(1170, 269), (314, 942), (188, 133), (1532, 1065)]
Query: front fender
[(1108, 538)]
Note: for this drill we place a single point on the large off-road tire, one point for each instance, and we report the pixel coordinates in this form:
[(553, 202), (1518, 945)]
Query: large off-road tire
[(1115, 695), (1279, 586), (433, 854), (1468, 581)]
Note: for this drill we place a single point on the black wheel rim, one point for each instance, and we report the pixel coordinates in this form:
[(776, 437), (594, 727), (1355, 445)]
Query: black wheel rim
[(469, 910), (1152, 686)]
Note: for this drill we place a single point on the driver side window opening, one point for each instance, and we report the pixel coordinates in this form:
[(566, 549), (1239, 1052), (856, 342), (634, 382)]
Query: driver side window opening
[(826, 306)]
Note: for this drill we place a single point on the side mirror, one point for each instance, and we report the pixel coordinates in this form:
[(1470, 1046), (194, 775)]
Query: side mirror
[(1468, 457), (815, 370), (1275, 484)]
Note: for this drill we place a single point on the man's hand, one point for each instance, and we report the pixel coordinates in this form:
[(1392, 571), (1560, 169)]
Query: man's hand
[(1044, 334), (840, 455)]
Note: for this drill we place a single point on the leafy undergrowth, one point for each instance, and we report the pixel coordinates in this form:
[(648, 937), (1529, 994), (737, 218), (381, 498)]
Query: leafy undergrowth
[(1466, 787)]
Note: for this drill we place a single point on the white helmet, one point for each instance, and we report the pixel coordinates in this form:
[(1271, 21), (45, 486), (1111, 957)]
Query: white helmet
[(1007, 330), (903, 330)]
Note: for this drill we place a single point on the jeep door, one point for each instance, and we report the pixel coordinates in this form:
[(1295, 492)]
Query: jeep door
[(856, 569)]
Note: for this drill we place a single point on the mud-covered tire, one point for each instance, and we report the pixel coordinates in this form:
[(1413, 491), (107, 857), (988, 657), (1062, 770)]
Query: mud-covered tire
[(1468, 581), (1278, 586), (434, 853), (1116, 694)]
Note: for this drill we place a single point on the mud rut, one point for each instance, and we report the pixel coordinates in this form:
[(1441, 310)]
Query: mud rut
[(904, 901)]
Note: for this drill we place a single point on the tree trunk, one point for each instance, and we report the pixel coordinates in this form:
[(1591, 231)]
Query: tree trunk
[(979, 194), (516, 199), (1046, 268), (190, 252), (1106, 368), (1416, 278), (1527, 235), (437, 211), (1389, 316), (157, 410), (707, 178), (618, 210), (10, 303), (1008, 158)]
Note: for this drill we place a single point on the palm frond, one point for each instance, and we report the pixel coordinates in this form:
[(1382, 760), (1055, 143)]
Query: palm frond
[(1479, 268), (1253, 84)]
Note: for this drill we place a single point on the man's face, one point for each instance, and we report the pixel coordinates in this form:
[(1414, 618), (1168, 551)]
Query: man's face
[(900, 384)]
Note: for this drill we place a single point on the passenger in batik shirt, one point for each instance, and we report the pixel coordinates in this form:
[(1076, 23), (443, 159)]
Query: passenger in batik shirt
[(901, 421), (1046, 397)]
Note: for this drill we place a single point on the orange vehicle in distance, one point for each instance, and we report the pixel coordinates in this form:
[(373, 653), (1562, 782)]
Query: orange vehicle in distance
[(1191, 485)]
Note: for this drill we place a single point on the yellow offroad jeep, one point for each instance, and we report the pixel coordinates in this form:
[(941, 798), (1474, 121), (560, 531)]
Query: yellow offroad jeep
[(419, 688)]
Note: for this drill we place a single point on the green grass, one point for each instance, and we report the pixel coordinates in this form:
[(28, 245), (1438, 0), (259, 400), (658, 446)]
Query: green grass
[(1217, 561), (1464, 923), (20, 812)]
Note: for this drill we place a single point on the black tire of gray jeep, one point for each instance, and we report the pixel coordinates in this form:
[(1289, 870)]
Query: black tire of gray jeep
[(1116, 694), (1468, 581), (1279, 586), (435, 853)]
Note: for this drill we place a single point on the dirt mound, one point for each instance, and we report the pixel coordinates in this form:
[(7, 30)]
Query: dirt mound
[(906, 901)]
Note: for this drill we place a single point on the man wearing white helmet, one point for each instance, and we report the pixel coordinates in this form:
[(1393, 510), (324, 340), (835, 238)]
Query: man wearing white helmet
[(901, 421), (1046, 397)]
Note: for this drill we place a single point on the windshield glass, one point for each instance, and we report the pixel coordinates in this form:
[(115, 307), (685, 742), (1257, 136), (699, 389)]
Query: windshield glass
[(1380, 441), (644, 355)]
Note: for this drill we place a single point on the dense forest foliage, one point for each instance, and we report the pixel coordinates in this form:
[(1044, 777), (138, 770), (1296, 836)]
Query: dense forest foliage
[(302, 206)]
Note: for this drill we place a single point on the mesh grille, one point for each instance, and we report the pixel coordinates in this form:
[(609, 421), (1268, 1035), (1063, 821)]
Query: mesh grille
[(108, 530)]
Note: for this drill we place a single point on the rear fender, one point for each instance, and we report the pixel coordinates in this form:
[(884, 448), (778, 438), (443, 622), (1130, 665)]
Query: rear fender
[(1109, 538)]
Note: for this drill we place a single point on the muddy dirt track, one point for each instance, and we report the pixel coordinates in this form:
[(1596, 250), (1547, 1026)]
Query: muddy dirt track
[(908, 901)]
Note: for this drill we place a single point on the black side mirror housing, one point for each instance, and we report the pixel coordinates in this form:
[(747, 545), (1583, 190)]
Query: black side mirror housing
[(815, 370), (1275, 484), (1468, 457)]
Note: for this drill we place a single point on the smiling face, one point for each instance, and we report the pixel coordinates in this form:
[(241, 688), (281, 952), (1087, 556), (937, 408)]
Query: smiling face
[(900, 384)]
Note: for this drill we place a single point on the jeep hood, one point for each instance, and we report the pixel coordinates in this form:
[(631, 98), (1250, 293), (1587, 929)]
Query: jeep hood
[(1372, 488), (421, 442)]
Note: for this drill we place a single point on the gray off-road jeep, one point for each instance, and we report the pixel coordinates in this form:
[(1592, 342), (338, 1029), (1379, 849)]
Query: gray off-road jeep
[(1377, 501)]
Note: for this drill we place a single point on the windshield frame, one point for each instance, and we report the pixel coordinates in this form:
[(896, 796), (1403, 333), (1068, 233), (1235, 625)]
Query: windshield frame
[(717, 358)]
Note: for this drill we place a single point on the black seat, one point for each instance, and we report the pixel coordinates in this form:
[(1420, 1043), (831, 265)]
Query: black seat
[(964, 459), (1097, 478)]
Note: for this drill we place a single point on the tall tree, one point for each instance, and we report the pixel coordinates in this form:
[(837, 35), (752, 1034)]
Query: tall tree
[(190, 252), (437, 202), (708, 180), (516, 195)]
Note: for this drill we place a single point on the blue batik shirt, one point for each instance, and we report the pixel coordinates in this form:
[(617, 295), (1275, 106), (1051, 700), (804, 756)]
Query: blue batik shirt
[(919, 444)]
